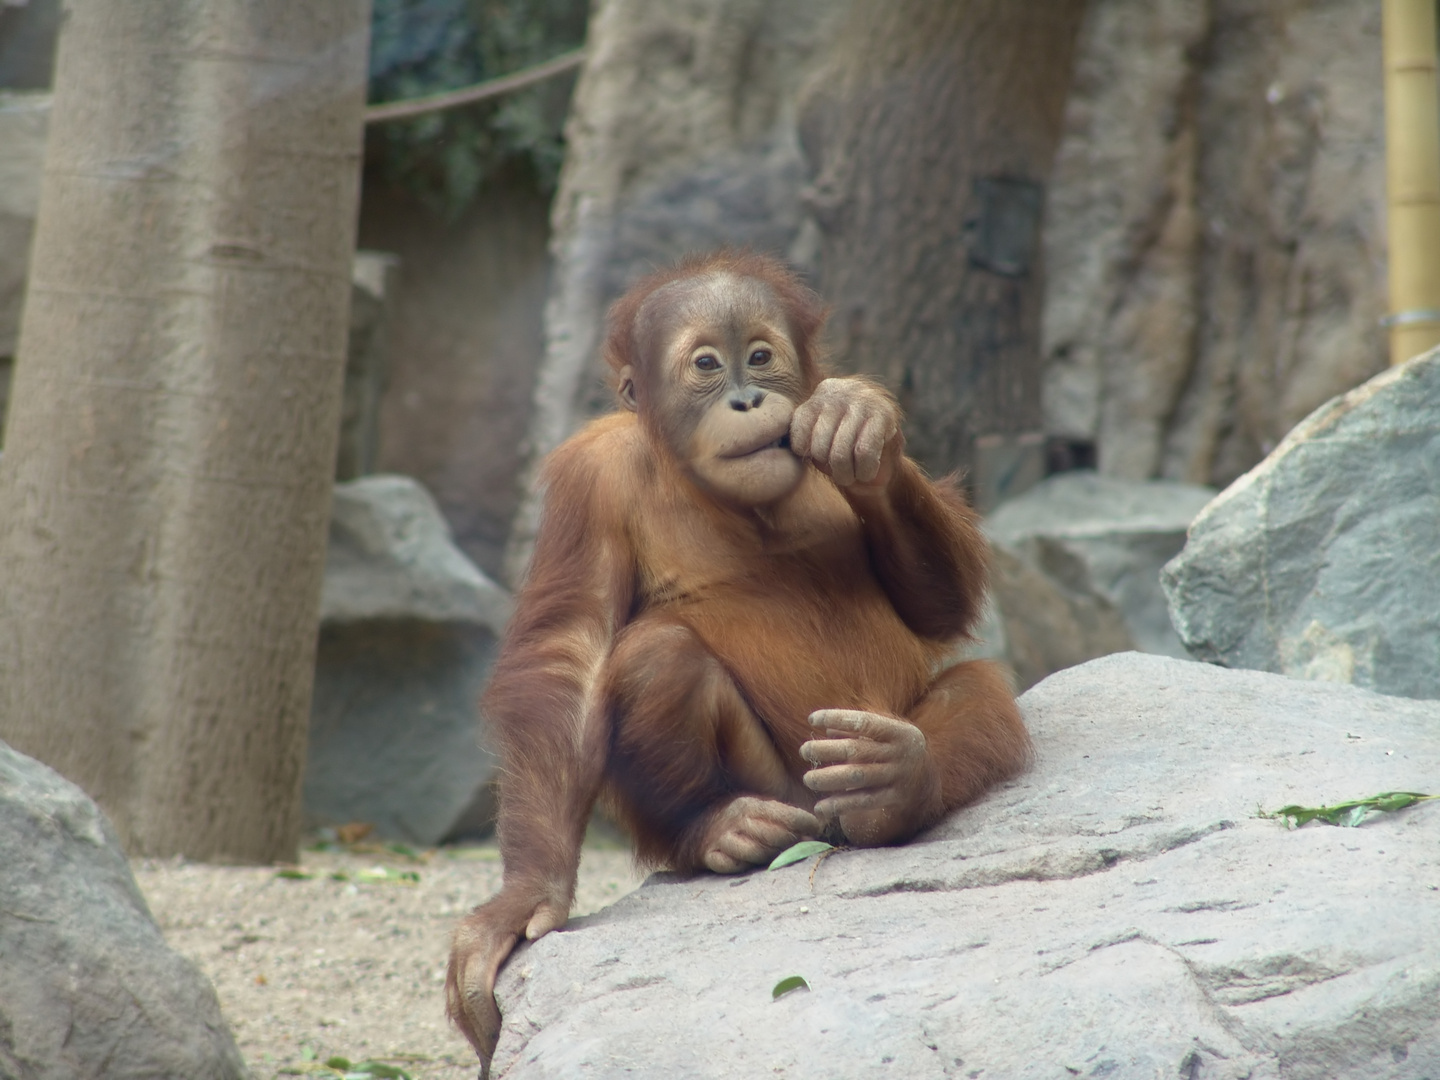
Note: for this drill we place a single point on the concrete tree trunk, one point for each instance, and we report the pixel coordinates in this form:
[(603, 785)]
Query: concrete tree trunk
[(930, 136), (165, 483)]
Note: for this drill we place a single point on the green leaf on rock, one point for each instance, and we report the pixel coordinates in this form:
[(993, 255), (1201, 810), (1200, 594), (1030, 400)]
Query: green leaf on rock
[(792, 982), (1347, 815), (1353, 817), (803, 850)]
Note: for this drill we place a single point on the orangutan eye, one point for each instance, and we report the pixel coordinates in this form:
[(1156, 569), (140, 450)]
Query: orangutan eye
[(760, 357), (707, 363)]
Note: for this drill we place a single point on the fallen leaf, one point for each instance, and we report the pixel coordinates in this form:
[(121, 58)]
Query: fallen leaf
[(803, 850)]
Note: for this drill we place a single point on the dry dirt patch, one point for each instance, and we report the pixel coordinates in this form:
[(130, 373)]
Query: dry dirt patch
[(348, 960)]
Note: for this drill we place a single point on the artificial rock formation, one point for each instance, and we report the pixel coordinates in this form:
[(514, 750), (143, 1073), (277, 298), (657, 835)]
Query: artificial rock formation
[(90, 989), (1120, 911), (682, 137), (1108, 537), (24, 122), (1323, 562), (1037, 623), (1214, 235), (409, 628)]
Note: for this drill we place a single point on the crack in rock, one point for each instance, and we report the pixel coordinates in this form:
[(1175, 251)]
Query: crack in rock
[(1045, 864), (1268, 977)]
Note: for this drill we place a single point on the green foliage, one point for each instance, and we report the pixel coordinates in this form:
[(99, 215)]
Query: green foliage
[(785, 985), (377, 875), (803, 850), (342, 1068), (360, 847), (420, 47), (1349, 814), (367, 1070)]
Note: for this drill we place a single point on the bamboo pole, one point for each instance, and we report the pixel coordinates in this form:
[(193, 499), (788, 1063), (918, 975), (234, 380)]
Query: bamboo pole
[(1412, 172)]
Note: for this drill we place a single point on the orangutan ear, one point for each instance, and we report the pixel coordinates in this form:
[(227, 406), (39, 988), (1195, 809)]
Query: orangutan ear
[(626, 389)]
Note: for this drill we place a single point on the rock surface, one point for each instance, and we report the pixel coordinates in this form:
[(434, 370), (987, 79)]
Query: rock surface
[(1214, 239), (681, 138), (24, 124), (1120, 911), (373, 279), (408, 632), (1038, 626), (390, 557), (465, 334), (1104, 536), (90, 987), (1323, 562)]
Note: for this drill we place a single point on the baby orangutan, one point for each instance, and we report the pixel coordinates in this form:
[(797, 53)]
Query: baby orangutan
[(740, 594)]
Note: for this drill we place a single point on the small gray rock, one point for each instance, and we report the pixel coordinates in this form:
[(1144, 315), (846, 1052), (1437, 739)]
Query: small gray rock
[(1107, 536), (1323, 562), (1044, 626), (391, 557), (88, 987), (409, 629), (1120, 911)]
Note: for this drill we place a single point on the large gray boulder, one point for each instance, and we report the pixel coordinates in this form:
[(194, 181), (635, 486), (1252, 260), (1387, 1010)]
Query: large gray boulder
[(1120, 911), (1323, 562), (408, 632), (88, 987), (1096, 535)]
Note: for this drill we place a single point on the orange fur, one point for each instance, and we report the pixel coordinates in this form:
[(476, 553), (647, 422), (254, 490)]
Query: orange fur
[(668, 649)]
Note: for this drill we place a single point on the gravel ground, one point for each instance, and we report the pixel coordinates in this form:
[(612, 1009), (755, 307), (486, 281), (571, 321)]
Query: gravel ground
[(349, 959)]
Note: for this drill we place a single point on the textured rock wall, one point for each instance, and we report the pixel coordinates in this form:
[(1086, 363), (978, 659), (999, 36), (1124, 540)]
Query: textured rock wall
[(1215, 230), (1214, 234), (464, 342), (24, 123), (681, 138)]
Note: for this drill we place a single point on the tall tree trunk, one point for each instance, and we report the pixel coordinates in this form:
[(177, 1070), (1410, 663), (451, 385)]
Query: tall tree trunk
[(165, 483), (931, 135)]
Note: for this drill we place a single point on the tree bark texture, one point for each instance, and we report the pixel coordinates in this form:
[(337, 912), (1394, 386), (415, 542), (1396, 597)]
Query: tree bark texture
[(930, 135), (165, 484)]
